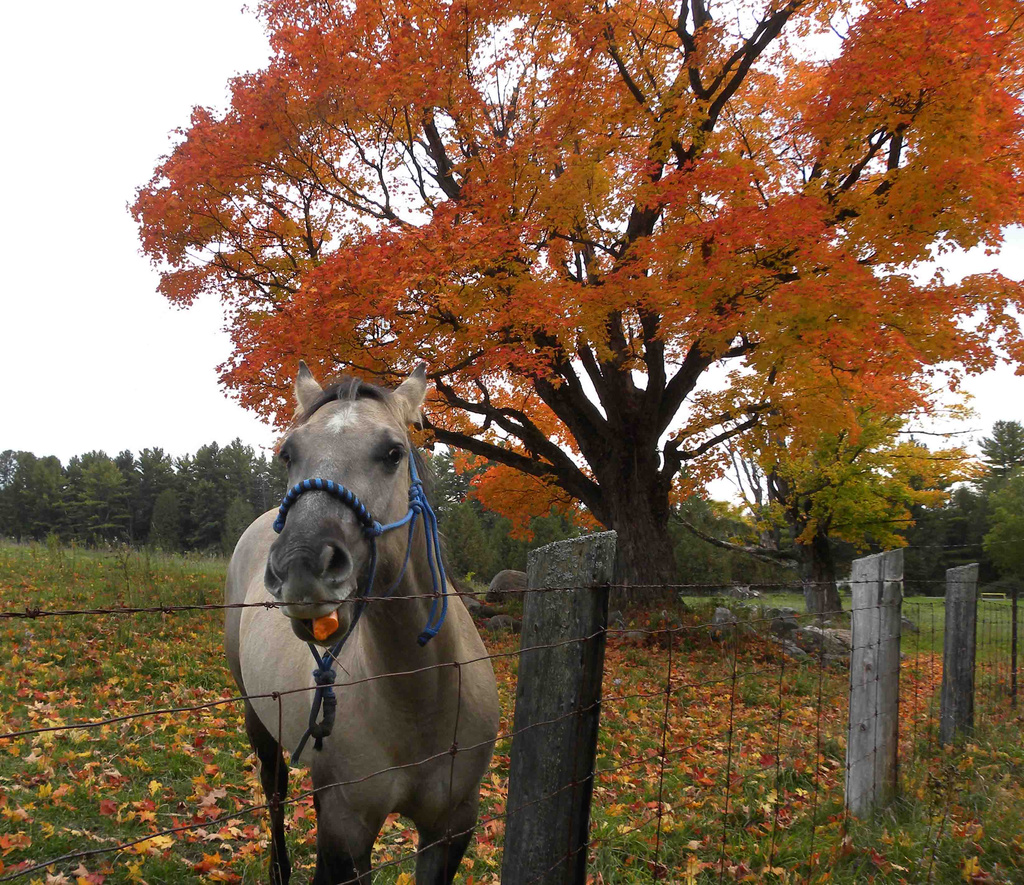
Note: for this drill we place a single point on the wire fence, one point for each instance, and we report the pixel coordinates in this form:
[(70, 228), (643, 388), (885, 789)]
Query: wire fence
[(724, 750)]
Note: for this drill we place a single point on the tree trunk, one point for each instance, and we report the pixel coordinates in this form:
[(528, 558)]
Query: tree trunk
[(644, 555), (818, 574)]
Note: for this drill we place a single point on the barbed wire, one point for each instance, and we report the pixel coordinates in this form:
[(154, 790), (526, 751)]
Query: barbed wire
[(36, 612)]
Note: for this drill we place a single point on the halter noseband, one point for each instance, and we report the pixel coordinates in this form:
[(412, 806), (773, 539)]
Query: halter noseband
[(418, 506)]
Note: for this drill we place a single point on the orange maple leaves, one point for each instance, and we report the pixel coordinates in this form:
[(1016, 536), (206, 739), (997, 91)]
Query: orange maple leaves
[(509, 191)]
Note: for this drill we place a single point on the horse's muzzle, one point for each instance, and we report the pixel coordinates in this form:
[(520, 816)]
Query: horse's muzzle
[(311, 580)]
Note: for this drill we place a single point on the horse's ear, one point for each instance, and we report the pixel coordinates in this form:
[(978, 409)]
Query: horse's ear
[(411, 393), (307, 390)]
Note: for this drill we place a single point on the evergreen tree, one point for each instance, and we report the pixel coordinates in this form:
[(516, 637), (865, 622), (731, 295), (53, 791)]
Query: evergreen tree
[(8, 512), (237, 465), (1003, 453), (97, 498), (206, 499), (470, 550), (165, 526), (156, 474), (31, 495), (1004, 542), (239, 515), (47, 484), (129, 469), (270, 478)]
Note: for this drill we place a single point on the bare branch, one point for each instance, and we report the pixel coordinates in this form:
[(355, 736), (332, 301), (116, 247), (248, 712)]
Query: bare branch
[(765, 554)]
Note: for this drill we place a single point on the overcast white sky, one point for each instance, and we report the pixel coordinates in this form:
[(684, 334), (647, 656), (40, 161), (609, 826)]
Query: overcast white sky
[(91, 357)]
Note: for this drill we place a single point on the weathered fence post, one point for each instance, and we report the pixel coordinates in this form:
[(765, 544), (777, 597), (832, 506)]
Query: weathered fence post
[(558, 697), (958, 653), (872, 743)]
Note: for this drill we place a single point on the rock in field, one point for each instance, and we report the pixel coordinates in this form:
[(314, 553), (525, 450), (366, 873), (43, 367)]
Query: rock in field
[(782, 621), (504, 584), (501, 623), (723, 622)]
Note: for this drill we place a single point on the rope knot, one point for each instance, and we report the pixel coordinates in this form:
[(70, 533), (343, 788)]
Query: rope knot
[(319, 730), (325, 676)]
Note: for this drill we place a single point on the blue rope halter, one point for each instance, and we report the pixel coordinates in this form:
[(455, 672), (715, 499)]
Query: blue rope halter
[(324, 674)]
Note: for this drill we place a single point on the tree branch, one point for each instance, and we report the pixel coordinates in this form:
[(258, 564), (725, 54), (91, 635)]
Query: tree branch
[(560, 466), (445, 170), (765, 554)]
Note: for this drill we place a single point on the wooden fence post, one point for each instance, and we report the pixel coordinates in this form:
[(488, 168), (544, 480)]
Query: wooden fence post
[(873, 738), (958, 653), (558, 698)]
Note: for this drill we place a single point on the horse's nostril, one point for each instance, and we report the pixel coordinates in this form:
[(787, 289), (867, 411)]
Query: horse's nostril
[(271, 580), (335, 562)]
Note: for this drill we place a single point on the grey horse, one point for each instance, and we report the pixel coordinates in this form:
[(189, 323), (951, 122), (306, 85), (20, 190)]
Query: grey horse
[(415, 724)]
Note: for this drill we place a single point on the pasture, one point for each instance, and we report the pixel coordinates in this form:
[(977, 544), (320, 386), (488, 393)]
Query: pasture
[(749, 788)]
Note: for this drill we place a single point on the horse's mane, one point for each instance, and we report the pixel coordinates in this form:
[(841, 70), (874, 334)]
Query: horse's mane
[(343, 387)]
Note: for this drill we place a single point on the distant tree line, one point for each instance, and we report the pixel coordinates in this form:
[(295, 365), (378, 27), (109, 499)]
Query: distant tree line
[(205, 501), (480, 542), (197, 502), (982, 522)]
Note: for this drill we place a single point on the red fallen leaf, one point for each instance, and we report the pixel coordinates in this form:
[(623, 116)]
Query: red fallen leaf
[(879, 861), (108, 807), (494, 827), (18, 840), (82, 874)]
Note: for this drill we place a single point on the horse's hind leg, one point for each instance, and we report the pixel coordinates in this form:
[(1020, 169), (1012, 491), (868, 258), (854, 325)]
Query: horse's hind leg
[(439, 859), (274, 779)]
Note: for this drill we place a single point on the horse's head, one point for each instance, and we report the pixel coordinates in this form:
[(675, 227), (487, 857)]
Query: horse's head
[(356, 435)]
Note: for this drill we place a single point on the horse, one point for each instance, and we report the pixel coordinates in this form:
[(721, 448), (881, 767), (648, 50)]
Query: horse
[(416, 720)]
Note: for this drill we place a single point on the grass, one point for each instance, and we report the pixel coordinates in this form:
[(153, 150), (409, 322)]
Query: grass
[(750, 787)]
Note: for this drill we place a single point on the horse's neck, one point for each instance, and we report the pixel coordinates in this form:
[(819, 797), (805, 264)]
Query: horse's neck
[(394, 624)]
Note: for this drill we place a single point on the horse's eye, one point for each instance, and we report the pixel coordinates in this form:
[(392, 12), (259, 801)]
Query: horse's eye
[(394, 456)]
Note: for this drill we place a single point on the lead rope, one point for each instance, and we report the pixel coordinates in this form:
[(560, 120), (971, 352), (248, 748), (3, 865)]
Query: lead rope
[(324, 675)]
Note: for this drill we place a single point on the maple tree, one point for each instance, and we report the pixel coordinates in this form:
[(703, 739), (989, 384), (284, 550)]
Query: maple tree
[(859, 485), (619, 234)]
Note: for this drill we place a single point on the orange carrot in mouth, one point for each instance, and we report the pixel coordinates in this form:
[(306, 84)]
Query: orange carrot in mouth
[(325, 626)]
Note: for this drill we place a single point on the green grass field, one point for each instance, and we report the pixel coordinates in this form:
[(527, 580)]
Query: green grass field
[(750, 786)]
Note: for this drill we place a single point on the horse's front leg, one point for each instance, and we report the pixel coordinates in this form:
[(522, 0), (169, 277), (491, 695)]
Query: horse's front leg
[(344, 841), (442, 847), (274, 780)]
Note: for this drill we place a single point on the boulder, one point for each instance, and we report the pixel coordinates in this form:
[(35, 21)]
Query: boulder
[(477, 609), (908, 625), (782, 621), (723, 622), (834, 643), (740, 591), (502, 623), (505, 584), (794, 650)]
